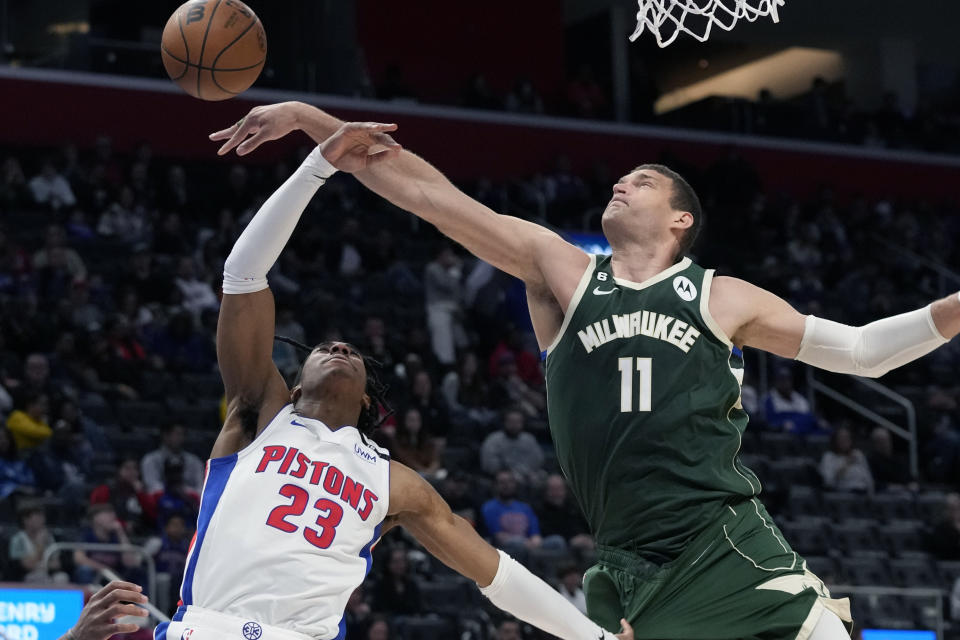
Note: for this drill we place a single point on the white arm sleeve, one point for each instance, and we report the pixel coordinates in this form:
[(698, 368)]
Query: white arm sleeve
[(525, 596), (260, 244), (871, 350)]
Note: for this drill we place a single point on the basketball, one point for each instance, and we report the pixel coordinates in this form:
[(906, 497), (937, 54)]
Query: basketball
[(214, 49)]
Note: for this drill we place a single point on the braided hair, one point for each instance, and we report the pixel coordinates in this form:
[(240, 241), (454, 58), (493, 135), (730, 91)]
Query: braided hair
[(372, 416)]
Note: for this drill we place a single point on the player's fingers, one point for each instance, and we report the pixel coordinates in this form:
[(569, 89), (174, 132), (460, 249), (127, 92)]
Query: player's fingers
[(253, 142), (385, 140), (627, 629), (125, 595), (223, 134), (119, 610), (245, 129), (380, 126), (383, 156), (116, 585), (113, 629)]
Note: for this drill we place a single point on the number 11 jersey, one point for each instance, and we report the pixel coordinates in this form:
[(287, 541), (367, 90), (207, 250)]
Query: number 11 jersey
[(643, 394), (286, 526)]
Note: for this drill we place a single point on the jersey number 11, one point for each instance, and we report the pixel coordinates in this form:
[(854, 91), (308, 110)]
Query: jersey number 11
[(644, 368)]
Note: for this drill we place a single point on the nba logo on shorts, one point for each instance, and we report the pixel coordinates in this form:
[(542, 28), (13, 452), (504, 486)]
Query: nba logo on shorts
[(186, 634), (252, 631)]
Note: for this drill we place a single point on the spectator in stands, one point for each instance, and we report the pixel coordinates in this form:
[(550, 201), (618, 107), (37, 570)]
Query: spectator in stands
[(356, 615), (413, 446), (127, 494), (171, 446), (105, 528), (786, 409), (509, 629), (442, 289), (51, 189), (171, 558), (125, 219), (61, 463), (524, 98), (169, 237), (889, 469), (455, 490), (13, 185), (955, 601), (142, 276), (181, 346), (379, 629), (944, 540), (843, 467), (528, 364), (14, 263), (561, 523), (508, 389), (585, 97), (28, 545), (396, 593), (513, 449), (433, 410), (479, 95), (28, 425), (16, 478), (570, 587), (84, 314), (175, 499), (466, 391), (510, 522), (55, 255), (197, 295)]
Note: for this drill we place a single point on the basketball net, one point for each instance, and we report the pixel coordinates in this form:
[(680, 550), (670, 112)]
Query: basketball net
[(669, 18)]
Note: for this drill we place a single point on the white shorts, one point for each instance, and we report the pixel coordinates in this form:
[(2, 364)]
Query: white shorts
[(204, 624)]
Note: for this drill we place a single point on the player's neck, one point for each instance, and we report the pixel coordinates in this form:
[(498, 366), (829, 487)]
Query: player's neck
[(332, 413), (638, 263)]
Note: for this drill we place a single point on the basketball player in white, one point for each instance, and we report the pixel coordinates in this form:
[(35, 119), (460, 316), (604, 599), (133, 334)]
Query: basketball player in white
[(294, 494)]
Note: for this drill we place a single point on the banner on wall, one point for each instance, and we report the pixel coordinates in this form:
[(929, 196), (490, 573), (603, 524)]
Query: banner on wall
[(38, 614)]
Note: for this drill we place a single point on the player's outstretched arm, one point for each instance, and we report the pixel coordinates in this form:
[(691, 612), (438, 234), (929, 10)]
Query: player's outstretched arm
[(415, 505), (757, 318), (521, 248)]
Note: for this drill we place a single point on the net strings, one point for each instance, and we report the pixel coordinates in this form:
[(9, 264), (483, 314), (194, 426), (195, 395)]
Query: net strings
[(669, 18)]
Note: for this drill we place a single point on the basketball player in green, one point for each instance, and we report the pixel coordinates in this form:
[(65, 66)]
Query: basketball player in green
[(643, 375)]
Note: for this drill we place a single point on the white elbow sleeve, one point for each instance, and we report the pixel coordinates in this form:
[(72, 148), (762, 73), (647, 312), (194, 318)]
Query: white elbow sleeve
[(260, 244), (520, 593), (871, 350)]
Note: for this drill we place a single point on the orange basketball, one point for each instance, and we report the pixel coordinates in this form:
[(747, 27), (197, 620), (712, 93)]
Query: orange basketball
[(213, 49)]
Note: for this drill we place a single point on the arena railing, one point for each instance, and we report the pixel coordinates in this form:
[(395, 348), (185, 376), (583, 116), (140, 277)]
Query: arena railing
[(151, 585)]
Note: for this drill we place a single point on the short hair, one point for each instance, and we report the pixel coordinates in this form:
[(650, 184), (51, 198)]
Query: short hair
[(372, 416), (684, 198)]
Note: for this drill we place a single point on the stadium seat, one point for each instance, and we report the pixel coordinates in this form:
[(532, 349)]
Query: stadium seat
[(839, 505), (866, 571), (793, 472), (201, 385), (427, 628), (446, 596), (804, 502), (914, 573), (902, 535), (138, 413), (824, 567), (779, 445), (930, 506), (808, 535), (893, 506), (157, 385), (855, 535), (463, 459), (96, 408)]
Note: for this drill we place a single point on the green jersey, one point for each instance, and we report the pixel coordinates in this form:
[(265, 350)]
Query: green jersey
[(643, 394)]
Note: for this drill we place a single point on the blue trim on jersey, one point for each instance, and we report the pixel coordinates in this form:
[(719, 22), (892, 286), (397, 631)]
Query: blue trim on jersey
[(366, 554), (737, 352), (160, 633), (217, 477), (343, 630)]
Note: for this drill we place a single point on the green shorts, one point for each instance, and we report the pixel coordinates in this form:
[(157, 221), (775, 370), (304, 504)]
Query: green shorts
[(737, 579)]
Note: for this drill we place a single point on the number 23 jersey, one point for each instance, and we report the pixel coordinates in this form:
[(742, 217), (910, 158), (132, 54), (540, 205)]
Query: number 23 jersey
[(286, 526), (643, 393)]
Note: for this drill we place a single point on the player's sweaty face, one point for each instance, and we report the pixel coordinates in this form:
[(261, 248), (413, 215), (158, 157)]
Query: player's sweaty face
[(335, 358)]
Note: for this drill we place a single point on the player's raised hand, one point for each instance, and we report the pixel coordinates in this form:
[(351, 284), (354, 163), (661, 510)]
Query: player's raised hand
[(627, 633), (358, 145), (98, 619), (262, 124)]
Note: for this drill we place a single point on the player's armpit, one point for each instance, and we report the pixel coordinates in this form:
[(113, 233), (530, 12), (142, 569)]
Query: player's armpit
[(756, 318), (416, 506)]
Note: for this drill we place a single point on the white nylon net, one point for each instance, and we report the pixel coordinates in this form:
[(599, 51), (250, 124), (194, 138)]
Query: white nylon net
[(669, 18)]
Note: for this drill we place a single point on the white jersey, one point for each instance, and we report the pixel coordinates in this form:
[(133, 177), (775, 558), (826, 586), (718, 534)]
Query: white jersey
[(286, 526)]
